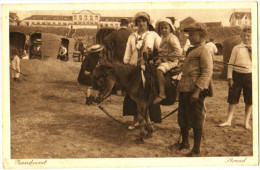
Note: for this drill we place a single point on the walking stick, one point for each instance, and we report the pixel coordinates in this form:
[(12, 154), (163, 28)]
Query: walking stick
[(19, 72), (170, 113), (219, 62)]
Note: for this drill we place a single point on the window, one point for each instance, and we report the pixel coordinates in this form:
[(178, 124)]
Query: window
[(75, 17), (64, 23), (80, 17), (38, 23), (43, 23), (59, 23), (33, 23), (106, 25), (96, 17), (91, 17), (54, 23), (86, 17), (79, 22), (111, 25)]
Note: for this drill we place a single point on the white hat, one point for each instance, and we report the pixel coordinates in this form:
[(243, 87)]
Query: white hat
[(167, 20), (95, 48)]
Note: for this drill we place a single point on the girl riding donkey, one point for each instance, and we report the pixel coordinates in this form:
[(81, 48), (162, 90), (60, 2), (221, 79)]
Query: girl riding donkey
[(169, 52)]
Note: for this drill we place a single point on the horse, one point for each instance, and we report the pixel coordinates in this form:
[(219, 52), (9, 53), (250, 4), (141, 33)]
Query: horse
[(129, 77)]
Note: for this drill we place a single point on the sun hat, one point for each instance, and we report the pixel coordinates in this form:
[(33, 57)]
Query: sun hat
[(167, 20), (38, 41), (197, 26), (95, 48)]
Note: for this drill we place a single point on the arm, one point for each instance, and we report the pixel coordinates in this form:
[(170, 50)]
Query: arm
[(215, 49), (231, 61), (206, 66), (18, 65), (175, 44), (128, 51)]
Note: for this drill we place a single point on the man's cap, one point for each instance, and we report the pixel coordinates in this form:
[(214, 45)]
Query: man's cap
[(95, 48), (124, 21), (197, 26), (247, 30)]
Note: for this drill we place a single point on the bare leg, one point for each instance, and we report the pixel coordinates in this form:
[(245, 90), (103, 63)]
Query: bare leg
[(135, 124), (248, 112), (161, 83), (231, 109)]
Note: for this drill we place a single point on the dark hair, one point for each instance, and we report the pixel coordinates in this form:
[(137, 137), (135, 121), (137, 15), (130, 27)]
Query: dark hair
[(211, 39), (142, 18), (14, 52), (123, 22)]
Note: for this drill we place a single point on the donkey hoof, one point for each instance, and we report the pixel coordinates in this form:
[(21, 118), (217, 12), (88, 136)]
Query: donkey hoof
[(139, 141)]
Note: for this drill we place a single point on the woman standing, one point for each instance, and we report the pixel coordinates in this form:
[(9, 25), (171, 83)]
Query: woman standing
[(143, 40)]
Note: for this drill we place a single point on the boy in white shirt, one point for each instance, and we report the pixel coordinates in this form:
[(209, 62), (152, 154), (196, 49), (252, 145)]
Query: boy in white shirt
[(240, 78), (15, 65)]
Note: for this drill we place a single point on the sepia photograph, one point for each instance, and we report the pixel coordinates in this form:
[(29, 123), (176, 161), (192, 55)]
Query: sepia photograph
[(138, 84)]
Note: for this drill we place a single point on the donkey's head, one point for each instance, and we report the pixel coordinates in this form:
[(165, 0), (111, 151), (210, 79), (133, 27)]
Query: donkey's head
[(104, 79)]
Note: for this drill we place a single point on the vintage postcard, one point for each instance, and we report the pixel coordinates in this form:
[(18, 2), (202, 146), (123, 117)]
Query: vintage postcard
[(137, 84)]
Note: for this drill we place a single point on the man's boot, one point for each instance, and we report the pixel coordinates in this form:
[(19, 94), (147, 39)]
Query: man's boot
[(197, 139), (185, 139)]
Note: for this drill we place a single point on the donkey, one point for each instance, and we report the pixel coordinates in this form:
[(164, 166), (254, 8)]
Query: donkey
[(129, 78)]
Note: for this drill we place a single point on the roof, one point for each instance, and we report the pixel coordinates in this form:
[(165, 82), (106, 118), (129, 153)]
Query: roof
[(115, 19), (49, 17), (187, 20), (86, 11), (213, 24), (240, 15)]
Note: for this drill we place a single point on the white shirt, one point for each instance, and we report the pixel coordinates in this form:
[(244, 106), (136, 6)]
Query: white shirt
[(15, 65), (241, 57), (150, 39), (212, 47)]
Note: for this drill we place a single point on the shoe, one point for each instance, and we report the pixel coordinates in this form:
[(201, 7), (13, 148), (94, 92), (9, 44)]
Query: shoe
[(131, 127)]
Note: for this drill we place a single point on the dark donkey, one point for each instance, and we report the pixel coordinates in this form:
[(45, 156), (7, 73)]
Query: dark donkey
[(129, 77)]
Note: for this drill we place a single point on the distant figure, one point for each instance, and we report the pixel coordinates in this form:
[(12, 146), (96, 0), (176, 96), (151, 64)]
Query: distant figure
[(36, 50), (186, 46), (25, 56), (212, 46), (63, 53), (116, 41), (240, 78), (88, 66), (81, 49), (15, 65)]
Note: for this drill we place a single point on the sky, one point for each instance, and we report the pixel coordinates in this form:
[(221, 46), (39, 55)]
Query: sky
[(200, 15)]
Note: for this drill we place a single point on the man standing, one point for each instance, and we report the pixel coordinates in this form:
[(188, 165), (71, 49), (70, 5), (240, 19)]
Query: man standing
[(212, 46), (116, 41), (240, 78), (196, 75)]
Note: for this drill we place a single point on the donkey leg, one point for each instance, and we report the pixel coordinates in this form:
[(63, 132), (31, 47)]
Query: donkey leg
[(150, 127), (141, 119)]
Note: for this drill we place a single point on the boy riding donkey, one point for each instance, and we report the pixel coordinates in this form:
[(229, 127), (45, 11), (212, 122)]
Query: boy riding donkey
[(193, 86)]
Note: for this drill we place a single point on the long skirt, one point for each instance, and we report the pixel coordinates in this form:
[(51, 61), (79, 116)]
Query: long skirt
[(130, 109)]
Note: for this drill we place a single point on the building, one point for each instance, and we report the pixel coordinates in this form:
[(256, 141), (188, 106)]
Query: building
[(85, 18), (13, 19), (48, 20), (113, 22), (240, 19), (213, 24), (187, 21)]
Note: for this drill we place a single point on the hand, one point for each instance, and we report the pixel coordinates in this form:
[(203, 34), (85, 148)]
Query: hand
[(149, 50), (86, 73), (195, 95), (230, 83)]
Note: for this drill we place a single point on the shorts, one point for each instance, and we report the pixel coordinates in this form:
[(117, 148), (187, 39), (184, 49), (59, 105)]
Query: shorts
[(166, 66), (191, 114), (241, 81)]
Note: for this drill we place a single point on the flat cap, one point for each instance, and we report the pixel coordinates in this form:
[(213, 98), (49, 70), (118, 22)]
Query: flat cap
[(197, 26)]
